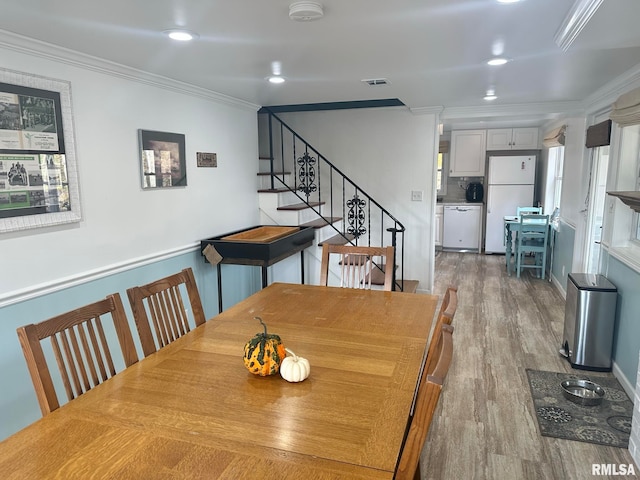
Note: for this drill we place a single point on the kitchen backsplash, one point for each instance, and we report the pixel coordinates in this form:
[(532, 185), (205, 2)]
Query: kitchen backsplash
[(456, 188)]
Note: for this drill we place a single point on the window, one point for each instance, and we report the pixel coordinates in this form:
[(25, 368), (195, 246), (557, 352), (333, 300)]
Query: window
[(439, 177), (441, 173), (625, 225), (625, 228), (558, 153), (631, 150), (635, 234), (636, 216), (553, 190)]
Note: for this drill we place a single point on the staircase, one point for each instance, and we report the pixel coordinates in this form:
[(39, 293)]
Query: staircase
[(298, 186)]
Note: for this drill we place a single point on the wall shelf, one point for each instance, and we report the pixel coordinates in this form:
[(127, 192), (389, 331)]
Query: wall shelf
[(632, 199)]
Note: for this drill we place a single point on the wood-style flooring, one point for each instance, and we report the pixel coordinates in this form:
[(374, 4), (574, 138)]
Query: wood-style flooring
[(485, 426)]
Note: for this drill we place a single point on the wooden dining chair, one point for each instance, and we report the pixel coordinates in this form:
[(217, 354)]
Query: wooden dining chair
[(445, 317), (358, 265), (80, 348), (429, 391), (159, 305)]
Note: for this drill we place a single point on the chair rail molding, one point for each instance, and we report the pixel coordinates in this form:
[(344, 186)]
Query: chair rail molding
[(35, 291)]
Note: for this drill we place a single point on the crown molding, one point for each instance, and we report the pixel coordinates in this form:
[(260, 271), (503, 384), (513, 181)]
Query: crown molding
[(577, 18), (436, 110), (33, 47), (607, 94), (522, 109)]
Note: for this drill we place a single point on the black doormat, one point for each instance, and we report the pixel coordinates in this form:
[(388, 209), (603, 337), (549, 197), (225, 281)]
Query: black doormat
[(606, 424)]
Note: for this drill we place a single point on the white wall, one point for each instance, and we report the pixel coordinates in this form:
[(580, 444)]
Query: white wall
[(575, 184), (120, 221), (388, 152), (127, 236)]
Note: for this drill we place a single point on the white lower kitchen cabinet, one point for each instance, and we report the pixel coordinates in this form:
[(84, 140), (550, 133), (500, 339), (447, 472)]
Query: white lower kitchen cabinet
[(462, 227)]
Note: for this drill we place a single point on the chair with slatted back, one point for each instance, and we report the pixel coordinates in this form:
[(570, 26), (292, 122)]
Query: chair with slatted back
[(528, 211), (358, 265), (160, 305), (80, 347), (445, 317), (429, 391), (533, 237)]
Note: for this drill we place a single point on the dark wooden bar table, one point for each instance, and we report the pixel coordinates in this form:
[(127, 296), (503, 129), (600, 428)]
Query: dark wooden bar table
[(262, 246)]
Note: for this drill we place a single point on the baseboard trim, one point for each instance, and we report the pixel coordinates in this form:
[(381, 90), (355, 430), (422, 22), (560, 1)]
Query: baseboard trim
[(39, 290), (561, 290), (628, 388)]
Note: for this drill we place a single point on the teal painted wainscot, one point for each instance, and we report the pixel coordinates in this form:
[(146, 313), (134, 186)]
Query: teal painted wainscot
[(18, 403)]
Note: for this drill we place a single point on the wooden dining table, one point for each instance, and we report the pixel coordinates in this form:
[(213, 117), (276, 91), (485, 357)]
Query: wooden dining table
[(192, 410)]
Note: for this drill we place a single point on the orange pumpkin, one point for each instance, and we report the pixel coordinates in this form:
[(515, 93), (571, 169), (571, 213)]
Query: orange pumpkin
[(264, 353)]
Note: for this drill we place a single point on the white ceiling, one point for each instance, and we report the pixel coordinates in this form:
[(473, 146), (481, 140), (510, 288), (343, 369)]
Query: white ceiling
[(433, 52)]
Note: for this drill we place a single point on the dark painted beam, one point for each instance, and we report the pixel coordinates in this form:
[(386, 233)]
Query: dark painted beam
[(312, 107)]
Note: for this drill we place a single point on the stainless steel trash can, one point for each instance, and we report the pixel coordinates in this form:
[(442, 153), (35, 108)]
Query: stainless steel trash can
[(589, 318)]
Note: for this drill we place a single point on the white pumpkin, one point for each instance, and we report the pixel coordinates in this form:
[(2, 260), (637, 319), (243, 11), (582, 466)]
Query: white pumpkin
[(294, 368)]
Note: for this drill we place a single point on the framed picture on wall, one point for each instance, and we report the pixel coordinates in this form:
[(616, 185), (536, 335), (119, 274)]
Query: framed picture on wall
[(162, 159), (38, 175)]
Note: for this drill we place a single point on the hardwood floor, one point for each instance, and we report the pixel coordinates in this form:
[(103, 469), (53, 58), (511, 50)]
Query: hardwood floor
[(485, 426)]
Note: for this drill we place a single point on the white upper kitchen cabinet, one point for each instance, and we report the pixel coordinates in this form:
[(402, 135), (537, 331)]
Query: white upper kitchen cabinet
[(512, 139), (468, 150)]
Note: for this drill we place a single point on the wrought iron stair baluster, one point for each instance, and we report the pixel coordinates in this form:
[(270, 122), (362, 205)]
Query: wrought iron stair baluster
[(356, 204)]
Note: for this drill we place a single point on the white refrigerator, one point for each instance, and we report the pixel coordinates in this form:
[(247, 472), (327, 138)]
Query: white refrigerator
[(510, 185)]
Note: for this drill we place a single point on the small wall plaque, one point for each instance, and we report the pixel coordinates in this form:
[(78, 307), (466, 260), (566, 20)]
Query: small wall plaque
[(207, 159)]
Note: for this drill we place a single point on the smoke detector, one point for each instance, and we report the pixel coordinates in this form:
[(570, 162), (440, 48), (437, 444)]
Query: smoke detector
[(305, 11)]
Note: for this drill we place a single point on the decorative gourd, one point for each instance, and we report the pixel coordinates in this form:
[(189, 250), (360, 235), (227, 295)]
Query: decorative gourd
[(264, 353), (294, 368)]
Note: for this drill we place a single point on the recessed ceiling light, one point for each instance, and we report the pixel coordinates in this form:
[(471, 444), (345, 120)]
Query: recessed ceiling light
[(491, 95), (181, 35), (508, 1), (497, 61), (276, 79)]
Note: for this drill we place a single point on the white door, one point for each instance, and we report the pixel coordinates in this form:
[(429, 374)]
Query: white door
[(502, 201), (597, 196), (512, 170)]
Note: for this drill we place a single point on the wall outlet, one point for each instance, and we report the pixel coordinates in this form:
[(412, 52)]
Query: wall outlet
[(416, 195)]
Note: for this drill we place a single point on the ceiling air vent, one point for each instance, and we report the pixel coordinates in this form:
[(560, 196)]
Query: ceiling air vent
[(376, 81)]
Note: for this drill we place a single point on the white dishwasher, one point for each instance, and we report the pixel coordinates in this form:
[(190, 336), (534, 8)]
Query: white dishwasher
[(461, 230)]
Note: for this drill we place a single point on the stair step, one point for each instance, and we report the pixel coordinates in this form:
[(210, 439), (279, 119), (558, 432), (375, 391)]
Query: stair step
[(274, 190), (300, 206), (321, 222), (264, 158), (410, 286), (338, 239), (262, 174)]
